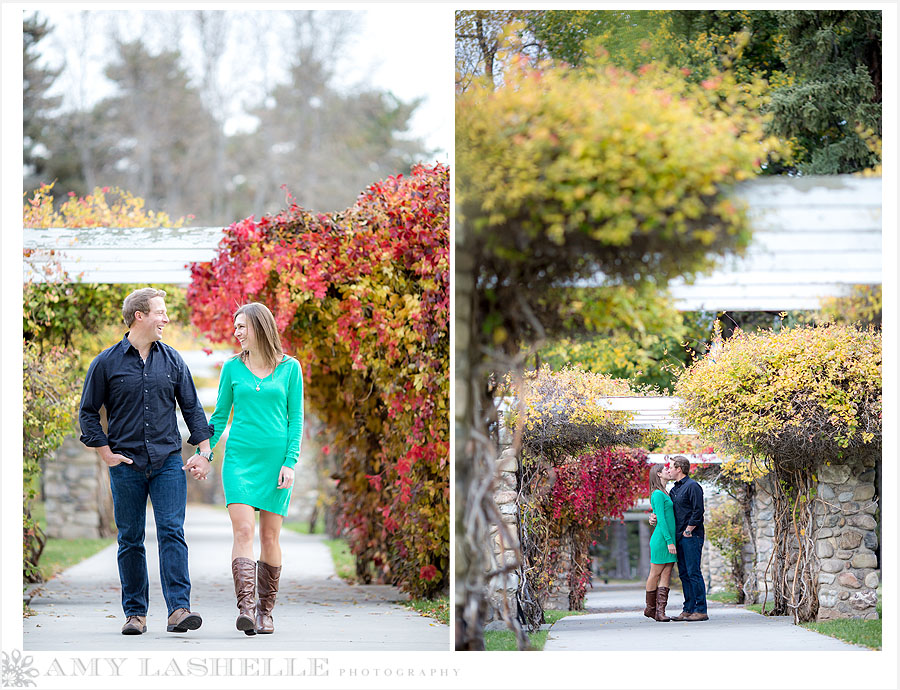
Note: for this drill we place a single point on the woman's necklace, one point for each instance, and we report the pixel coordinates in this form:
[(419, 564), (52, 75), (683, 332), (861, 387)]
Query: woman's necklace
[(258, 380)]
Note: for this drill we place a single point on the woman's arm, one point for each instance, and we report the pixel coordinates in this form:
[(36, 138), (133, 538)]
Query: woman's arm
[(224, 401), (295, 414)]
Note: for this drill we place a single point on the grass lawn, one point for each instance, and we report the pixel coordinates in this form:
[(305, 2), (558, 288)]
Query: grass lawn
[(60, 554), (439, 608), (505, 640), (852, 630), (727, 597)]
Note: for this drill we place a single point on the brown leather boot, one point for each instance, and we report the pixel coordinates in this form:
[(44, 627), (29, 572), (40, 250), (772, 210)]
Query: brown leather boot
[(266, 587), (650, 611), (244, 572), (662, 598)]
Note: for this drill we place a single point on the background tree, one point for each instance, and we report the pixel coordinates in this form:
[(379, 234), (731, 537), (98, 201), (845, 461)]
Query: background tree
[(177, 133), (834, 60), (37, 105), (823, 67)]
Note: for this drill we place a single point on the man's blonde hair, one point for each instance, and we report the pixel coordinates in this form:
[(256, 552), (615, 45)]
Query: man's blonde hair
[(139, 300)]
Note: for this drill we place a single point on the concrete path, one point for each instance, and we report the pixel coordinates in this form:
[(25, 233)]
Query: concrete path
[(80, 609), (621, 625)]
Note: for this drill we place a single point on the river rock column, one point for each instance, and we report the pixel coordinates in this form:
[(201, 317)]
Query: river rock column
[(762, 515), (846, 540)]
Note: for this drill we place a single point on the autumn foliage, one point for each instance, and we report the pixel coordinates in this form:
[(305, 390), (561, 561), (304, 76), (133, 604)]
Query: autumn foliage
[(361, 298), (804, 395)]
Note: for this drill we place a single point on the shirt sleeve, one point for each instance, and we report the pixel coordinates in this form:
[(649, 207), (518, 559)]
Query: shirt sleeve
[(695, 497), (224, 401), (189, 402), (658, 503), (93, 396), (295, 415)]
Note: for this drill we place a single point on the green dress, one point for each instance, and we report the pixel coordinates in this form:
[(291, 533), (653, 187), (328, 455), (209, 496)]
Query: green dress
[(664, 532), (265, 432)]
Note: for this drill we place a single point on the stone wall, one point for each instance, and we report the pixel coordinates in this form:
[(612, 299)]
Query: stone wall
[(76, 493), (716, 570), (846, 541)]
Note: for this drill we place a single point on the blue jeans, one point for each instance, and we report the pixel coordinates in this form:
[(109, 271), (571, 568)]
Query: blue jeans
[(167, 489), (689, 551)]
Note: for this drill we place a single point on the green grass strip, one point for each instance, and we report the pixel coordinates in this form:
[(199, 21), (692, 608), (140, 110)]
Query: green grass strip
[(439, 608)]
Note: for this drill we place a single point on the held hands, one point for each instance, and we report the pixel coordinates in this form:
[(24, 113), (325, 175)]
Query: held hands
[(286, 478), (198, 466)]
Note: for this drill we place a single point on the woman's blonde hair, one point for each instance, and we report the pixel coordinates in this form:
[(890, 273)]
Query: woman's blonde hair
[(655, 481), (268, 342)]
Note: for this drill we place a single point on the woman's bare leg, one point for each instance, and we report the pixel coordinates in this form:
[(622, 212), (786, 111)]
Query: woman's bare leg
[(243, 524), (269, 531), (653, 578), (666, 575)]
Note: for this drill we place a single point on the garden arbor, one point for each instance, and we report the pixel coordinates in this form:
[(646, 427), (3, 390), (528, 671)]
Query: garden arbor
[(813, 238), (361, 298)]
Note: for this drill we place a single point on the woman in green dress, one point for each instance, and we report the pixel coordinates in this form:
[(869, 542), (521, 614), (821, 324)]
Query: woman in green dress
[(265, 388), (662, 546)]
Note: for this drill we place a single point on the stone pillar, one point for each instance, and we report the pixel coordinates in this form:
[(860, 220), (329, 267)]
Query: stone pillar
[(846, 541), (504, 537), (644, 547), (71, 497), (762, 514)]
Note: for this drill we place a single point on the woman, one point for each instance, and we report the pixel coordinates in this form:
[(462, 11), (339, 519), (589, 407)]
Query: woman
[(265, 387), (662, 546)]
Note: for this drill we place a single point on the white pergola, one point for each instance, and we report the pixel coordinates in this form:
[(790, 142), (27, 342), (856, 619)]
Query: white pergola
[(814, 237)]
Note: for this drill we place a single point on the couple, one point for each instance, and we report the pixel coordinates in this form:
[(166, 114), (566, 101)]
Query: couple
[(678, 536), (138, 381)]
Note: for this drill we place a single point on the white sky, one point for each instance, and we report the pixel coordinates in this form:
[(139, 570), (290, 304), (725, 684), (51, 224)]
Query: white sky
[(405, 49)]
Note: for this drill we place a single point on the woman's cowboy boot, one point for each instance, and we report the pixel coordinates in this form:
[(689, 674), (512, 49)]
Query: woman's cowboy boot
[(266, 587), (662, 598), (244, 572), (650, 611)]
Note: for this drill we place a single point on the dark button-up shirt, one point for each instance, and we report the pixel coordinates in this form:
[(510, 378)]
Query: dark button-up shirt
[(140, 398), (687, 501)]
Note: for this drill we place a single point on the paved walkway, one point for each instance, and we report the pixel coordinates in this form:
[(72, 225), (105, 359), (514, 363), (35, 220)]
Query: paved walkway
[(621, 625), (80, 609)]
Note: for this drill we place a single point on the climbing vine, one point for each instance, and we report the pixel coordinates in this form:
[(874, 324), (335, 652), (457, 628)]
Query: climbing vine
[(361, 298), (792, 401)]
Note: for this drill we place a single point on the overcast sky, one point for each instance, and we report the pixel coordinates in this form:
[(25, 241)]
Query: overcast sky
[(405, 49)]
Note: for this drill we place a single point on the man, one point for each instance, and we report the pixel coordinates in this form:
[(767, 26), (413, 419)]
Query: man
[(138, 381), (687, 500)]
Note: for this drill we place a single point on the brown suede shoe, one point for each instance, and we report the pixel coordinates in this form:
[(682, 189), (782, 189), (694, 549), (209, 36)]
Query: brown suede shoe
[(135, 625), (683, 616), (697, 617), (183, 620), (650, 609)]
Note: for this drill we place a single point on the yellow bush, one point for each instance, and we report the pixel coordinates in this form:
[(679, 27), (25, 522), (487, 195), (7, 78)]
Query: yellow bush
[(804, 395)]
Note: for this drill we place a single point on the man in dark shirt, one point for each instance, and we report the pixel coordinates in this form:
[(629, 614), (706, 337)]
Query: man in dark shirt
[(138, 381), (687, 500)]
